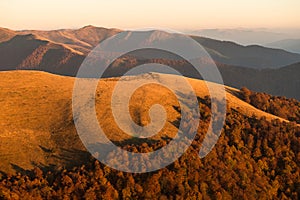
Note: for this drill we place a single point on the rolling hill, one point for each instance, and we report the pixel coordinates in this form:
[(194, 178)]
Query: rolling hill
[(36, 111)]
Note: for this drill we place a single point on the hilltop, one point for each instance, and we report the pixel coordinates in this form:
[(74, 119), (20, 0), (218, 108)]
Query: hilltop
[(37, 113)]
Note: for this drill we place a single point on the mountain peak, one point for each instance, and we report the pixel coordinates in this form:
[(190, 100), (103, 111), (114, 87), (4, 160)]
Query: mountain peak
[(6, 34), (88, 27), (29, 36), (91, 27)]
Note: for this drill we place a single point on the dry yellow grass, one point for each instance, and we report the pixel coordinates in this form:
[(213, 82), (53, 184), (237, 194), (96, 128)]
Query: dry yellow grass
[(36, 119)]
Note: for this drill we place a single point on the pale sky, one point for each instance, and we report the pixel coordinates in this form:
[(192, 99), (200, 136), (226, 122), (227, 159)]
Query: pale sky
[(129, 14)]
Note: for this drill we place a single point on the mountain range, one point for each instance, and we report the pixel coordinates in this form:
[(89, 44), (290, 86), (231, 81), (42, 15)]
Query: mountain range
[(270, 70), (292, 45)]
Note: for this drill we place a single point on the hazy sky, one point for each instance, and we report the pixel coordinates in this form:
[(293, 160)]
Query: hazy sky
[(126, 14)]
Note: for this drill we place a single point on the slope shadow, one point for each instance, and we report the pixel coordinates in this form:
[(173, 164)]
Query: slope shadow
[(69, 158), (73, 157), (234, 93), (135, 141)]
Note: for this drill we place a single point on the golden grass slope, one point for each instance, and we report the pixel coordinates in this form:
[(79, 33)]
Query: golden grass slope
[(36, 119)]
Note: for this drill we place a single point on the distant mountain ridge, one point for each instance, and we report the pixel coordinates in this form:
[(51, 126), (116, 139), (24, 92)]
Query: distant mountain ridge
[(82, 41), (33, 52), (292, 45), (253, 56), (62, 52), (242, 36), (281, 82)]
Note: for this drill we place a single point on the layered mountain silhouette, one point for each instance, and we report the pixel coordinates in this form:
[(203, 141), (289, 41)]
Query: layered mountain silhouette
[(281, 82), (292, 45), (62, 51), (242, 36), (83, 40), (253, 56), (34, 52)]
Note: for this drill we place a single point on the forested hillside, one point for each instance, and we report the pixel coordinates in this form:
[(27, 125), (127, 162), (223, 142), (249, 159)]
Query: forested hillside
[(253, 159)]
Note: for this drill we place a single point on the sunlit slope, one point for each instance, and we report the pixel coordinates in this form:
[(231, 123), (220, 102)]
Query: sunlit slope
[(36, 119)]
